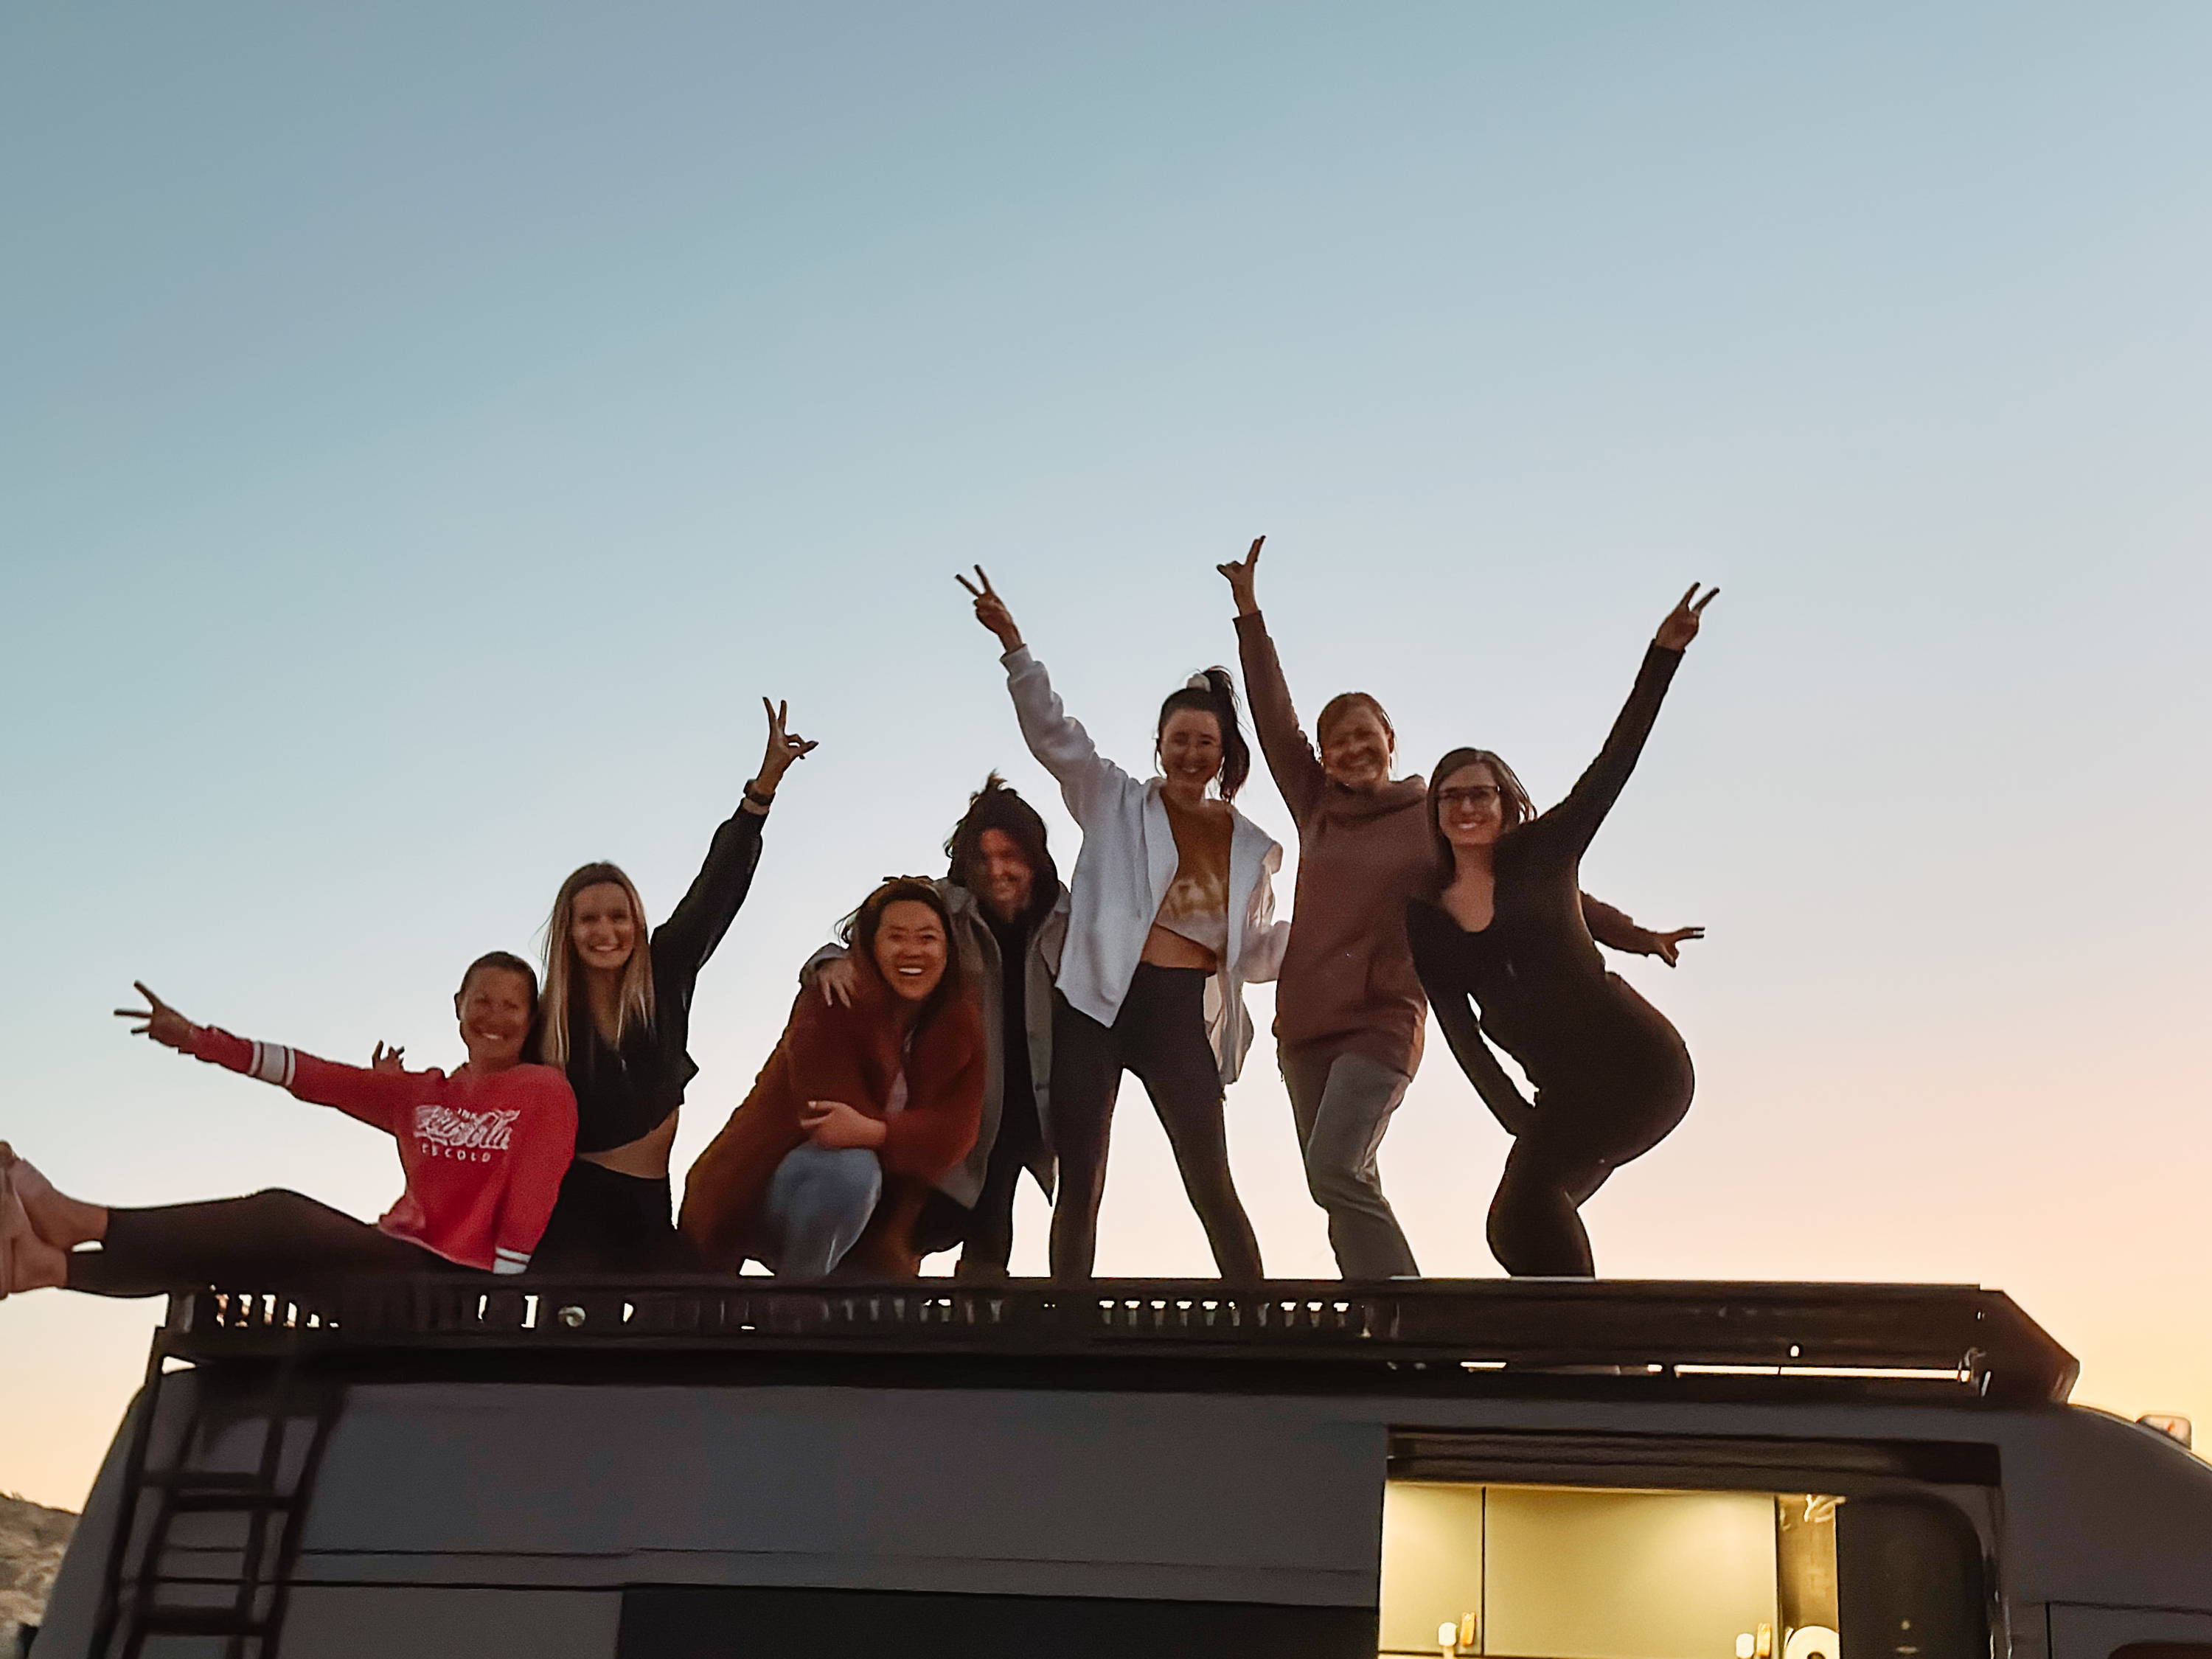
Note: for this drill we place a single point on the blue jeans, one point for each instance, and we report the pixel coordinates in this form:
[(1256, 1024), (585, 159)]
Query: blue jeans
[(818, 1204)]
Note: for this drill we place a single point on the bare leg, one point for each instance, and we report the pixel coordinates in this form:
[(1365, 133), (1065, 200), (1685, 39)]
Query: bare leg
[(61, 1221), (27, 1262)]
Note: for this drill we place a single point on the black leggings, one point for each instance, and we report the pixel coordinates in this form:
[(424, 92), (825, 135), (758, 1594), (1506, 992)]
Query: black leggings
[(606, 1222), (1160, 1034), (272, 1240), (989, 1243), (1577, 1137)]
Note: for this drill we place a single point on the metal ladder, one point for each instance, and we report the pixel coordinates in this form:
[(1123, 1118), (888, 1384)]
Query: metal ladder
[(239, 1519)]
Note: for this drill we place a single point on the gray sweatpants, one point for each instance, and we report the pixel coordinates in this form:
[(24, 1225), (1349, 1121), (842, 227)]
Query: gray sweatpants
[(1342, 1104)]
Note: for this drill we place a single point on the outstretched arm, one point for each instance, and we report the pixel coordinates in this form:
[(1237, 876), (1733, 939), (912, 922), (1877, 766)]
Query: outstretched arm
[(377, 1095), (682, 945), (1617, 931), (1290, 756), (1576, 819), (1060, 744)]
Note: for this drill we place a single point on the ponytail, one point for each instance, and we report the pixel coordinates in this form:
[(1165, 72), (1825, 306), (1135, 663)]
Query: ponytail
[(1214, 693)]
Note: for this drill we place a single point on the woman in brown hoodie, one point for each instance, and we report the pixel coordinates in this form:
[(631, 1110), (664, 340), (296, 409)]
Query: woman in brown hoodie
[(1349, 1011), (833, 1160)]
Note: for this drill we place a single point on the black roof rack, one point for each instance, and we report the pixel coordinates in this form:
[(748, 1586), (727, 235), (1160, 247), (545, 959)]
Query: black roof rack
[(1957, 1341)]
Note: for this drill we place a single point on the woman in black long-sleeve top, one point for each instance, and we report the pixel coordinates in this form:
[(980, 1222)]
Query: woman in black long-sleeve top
[(618, 1020), (1503, 954)]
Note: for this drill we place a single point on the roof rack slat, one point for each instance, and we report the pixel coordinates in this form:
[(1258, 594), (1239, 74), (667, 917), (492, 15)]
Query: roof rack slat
[(1979, 1337)]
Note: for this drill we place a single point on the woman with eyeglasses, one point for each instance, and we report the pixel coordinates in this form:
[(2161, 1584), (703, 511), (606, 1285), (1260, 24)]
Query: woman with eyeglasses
[(1349, 1012), (1506, 958)]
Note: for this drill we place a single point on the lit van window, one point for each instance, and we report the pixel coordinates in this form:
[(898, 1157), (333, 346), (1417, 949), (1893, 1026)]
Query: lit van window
[(1583, 1572)]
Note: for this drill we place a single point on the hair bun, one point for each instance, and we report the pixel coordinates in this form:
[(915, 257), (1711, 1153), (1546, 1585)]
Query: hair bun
[(1212, 691)]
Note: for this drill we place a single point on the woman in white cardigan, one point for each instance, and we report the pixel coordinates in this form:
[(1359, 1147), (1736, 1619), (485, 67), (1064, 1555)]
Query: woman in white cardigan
[(1171, 911)]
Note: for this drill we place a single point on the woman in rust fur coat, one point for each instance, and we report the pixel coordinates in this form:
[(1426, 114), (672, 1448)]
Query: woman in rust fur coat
[(832, 1162)]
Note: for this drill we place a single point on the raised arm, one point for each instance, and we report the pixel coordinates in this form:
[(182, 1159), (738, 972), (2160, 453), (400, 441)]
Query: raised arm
[(1290, 755), (376, 1095), (682, 945), (1060, 744), (1576, 819)]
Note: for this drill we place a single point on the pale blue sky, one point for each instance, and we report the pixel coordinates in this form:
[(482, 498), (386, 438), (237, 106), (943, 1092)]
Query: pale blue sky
[(425, 434)]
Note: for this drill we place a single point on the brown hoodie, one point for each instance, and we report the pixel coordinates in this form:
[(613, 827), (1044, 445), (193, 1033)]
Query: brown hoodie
[(1347, 984)]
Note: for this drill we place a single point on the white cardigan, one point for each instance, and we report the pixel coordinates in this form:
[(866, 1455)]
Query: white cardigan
[(1127, 865)]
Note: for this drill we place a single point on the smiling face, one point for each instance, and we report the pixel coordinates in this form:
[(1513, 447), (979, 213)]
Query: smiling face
[(602, 927), (1190, 747), (1356, 750), (910, 949), (1004, 875), (1469, 808), (494, 1008)]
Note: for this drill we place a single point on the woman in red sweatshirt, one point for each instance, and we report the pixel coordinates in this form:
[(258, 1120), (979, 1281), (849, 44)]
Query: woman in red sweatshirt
[(836, 1158), (484, 1150)]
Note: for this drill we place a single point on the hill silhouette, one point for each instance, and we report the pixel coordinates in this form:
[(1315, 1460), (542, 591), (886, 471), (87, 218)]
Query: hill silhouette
[(32, 1540)]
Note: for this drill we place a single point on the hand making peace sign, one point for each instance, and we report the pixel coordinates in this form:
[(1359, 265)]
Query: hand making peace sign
[(1681, 625), (991, 611), (1242, 574), (163, 1024), (784, 748)]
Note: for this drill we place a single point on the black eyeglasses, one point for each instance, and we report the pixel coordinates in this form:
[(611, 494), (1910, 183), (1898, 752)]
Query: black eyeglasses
[(1472, 794)]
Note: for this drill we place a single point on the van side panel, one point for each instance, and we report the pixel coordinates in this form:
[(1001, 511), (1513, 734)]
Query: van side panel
[(998, 1493), (722, 1622), (73, 1606), (2106, 1513), (378, 1621)]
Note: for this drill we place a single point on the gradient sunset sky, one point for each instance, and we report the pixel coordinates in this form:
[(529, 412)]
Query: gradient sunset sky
[(427, 431)]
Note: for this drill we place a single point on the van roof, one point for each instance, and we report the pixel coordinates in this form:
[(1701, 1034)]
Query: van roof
[(1952, 1344)]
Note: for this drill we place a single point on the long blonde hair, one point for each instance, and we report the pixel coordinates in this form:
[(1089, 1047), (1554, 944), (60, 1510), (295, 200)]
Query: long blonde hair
[(637, 999)]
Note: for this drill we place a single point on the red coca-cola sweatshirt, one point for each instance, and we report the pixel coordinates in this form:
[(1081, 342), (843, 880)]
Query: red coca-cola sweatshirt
[(483, 1156)]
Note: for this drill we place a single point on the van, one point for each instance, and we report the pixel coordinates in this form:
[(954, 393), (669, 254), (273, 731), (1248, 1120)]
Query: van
[(1545, 1469)]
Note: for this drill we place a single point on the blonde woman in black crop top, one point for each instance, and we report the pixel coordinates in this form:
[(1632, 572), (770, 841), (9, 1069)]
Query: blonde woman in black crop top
[(618, 1020)]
